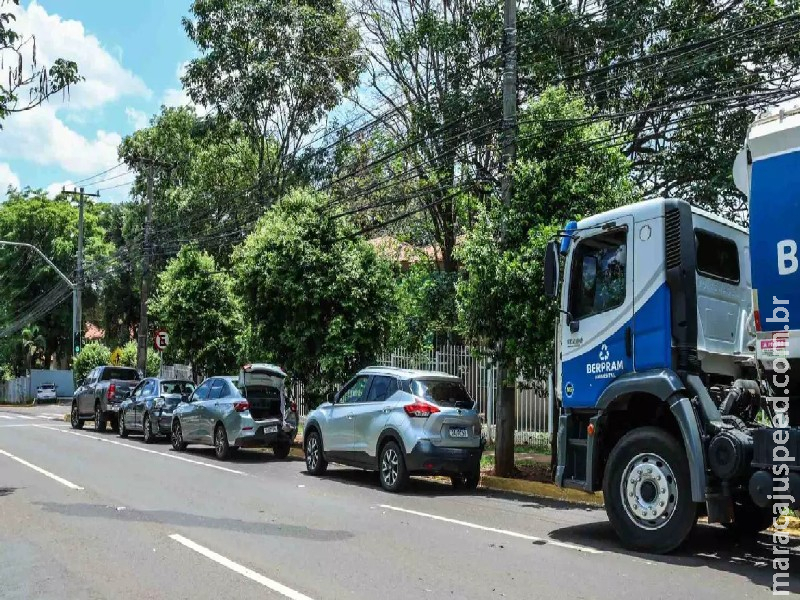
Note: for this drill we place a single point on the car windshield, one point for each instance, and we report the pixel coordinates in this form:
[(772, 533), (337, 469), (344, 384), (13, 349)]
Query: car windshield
[(177, 387), (442, 392), (123, 374), (47, 386)]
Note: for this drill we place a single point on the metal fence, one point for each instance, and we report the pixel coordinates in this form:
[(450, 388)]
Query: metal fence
[(176, 372)]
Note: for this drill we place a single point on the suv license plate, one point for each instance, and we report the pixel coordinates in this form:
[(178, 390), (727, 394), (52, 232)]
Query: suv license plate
[(271, 429), (458, 432)]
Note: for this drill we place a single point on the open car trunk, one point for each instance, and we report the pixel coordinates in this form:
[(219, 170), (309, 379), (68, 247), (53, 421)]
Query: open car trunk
[(265, 402), (263, 387)]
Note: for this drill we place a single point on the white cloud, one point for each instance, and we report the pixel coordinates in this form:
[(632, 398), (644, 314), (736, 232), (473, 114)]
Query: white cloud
[(176, 97), (54, 189), (7, 178), (137, 118), (106, 79), (42, 138)]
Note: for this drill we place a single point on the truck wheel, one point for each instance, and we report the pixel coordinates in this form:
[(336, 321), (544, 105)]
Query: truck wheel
[(647, 491), (221, 446), (749, 519), (74, 418), (99, 419), (315, 459)]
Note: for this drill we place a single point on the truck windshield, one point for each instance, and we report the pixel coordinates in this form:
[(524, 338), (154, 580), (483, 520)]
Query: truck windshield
[(121, 373), (442, 392)]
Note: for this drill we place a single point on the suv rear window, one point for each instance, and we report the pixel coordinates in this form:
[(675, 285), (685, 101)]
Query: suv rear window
[(442, 393), (123, 374)]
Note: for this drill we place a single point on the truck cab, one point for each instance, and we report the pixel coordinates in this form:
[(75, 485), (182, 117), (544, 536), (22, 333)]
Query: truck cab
[(655, 375)]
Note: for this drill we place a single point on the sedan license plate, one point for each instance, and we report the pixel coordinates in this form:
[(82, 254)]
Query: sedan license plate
[(458, 432), (271, 429)]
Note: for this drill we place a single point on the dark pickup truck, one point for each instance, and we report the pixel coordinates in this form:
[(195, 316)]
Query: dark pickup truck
[(99, 396)]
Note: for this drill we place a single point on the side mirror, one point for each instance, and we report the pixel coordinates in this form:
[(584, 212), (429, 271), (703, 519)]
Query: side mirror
[(551, 269), (184, 397), (333, 397)]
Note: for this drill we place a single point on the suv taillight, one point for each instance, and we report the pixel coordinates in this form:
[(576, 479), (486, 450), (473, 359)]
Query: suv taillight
[(241, 405), (112, 389), (420, 408)]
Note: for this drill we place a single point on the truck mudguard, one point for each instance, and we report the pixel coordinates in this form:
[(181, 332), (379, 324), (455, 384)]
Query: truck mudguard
[(667, 387)]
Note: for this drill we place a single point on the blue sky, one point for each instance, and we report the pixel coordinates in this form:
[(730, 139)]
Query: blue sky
[(131, 54)]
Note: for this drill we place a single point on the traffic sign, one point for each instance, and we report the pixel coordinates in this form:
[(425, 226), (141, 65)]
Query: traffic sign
[(161, 340), (116, 357)]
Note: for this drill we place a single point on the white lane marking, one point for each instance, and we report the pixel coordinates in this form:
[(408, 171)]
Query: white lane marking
[(60, 480), (240, 569), (514, 534), (6, 417), (25, 417), (140, 449)]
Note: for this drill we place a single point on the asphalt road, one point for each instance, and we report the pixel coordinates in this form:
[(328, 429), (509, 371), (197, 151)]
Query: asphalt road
[(84, 515)]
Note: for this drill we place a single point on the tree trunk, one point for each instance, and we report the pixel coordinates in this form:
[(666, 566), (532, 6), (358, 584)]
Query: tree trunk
[(506, 426)]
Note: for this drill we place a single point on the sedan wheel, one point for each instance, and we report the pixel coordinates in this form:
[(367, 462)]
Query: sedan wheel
[(74, 418), (147, 430), (221, 446), (99, 419), (123, 428), (177, 437)]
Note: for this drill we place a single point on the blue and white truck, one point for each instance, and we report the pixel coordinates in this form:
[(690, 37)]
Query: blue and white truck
[(677, 354)]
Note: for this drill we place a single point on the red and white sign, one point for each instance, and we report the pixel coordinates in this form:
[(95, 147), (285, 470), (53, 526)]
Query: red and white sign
[(161, 340), (776, 344)]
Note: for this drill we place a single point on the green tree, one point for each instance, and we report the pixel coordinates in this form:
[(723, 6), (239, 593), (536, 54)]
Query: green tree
[(29, 284), (320, 299), (25, 86), (274, 66), (683, 79), (93, 354), (128, 358), (559, 176), (195, 303), (210, 184), (33, 343)]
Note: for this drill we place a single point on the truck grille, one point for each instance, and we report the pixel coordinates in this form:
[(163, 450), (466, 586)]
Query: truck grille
[(673, 237)]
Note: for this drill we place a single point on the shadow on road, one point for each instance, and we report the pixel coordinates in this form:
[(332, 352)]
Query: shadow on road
[(7, 491), (181, 519), (708, 547)]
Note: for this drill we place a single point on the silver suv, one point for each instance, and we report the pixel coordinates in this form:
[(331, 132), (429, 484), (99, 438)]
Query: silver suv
[(398, 422)]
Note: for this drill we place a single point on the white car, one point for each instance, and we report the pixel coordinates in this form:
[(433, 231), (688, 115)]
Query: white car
[(46, 391)]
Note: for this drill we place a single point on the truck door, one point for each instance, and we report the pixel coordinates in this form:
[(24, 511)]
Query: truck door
[(597, 333)]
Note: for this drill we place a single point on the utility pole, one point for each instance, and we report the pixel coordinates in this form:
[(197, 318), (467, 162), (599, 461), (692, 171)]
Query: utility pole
[(141, 338), (506, 408), (77, 290)]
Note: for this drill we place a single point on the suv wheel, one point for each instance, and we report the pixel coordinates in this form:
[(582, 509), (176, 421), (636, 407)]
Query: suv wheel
[(123, 428), (99, 419), (74, 418), (177, 437), (393, 474), (221, 446), (315, 460), (147, 430)]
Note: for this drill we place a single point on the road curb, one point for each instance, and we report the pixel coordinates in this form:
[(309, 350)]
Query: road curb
[(539, 489)]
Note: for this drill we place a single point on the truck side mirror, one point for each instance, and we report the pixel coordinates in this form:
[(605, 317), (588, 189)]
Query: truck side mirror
[(551, 269)]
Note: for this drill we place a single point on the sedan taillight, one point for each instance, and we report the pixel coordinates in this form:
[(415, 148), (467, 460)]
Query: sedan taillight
[(420, 408), (241, 405), (112, 389)]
